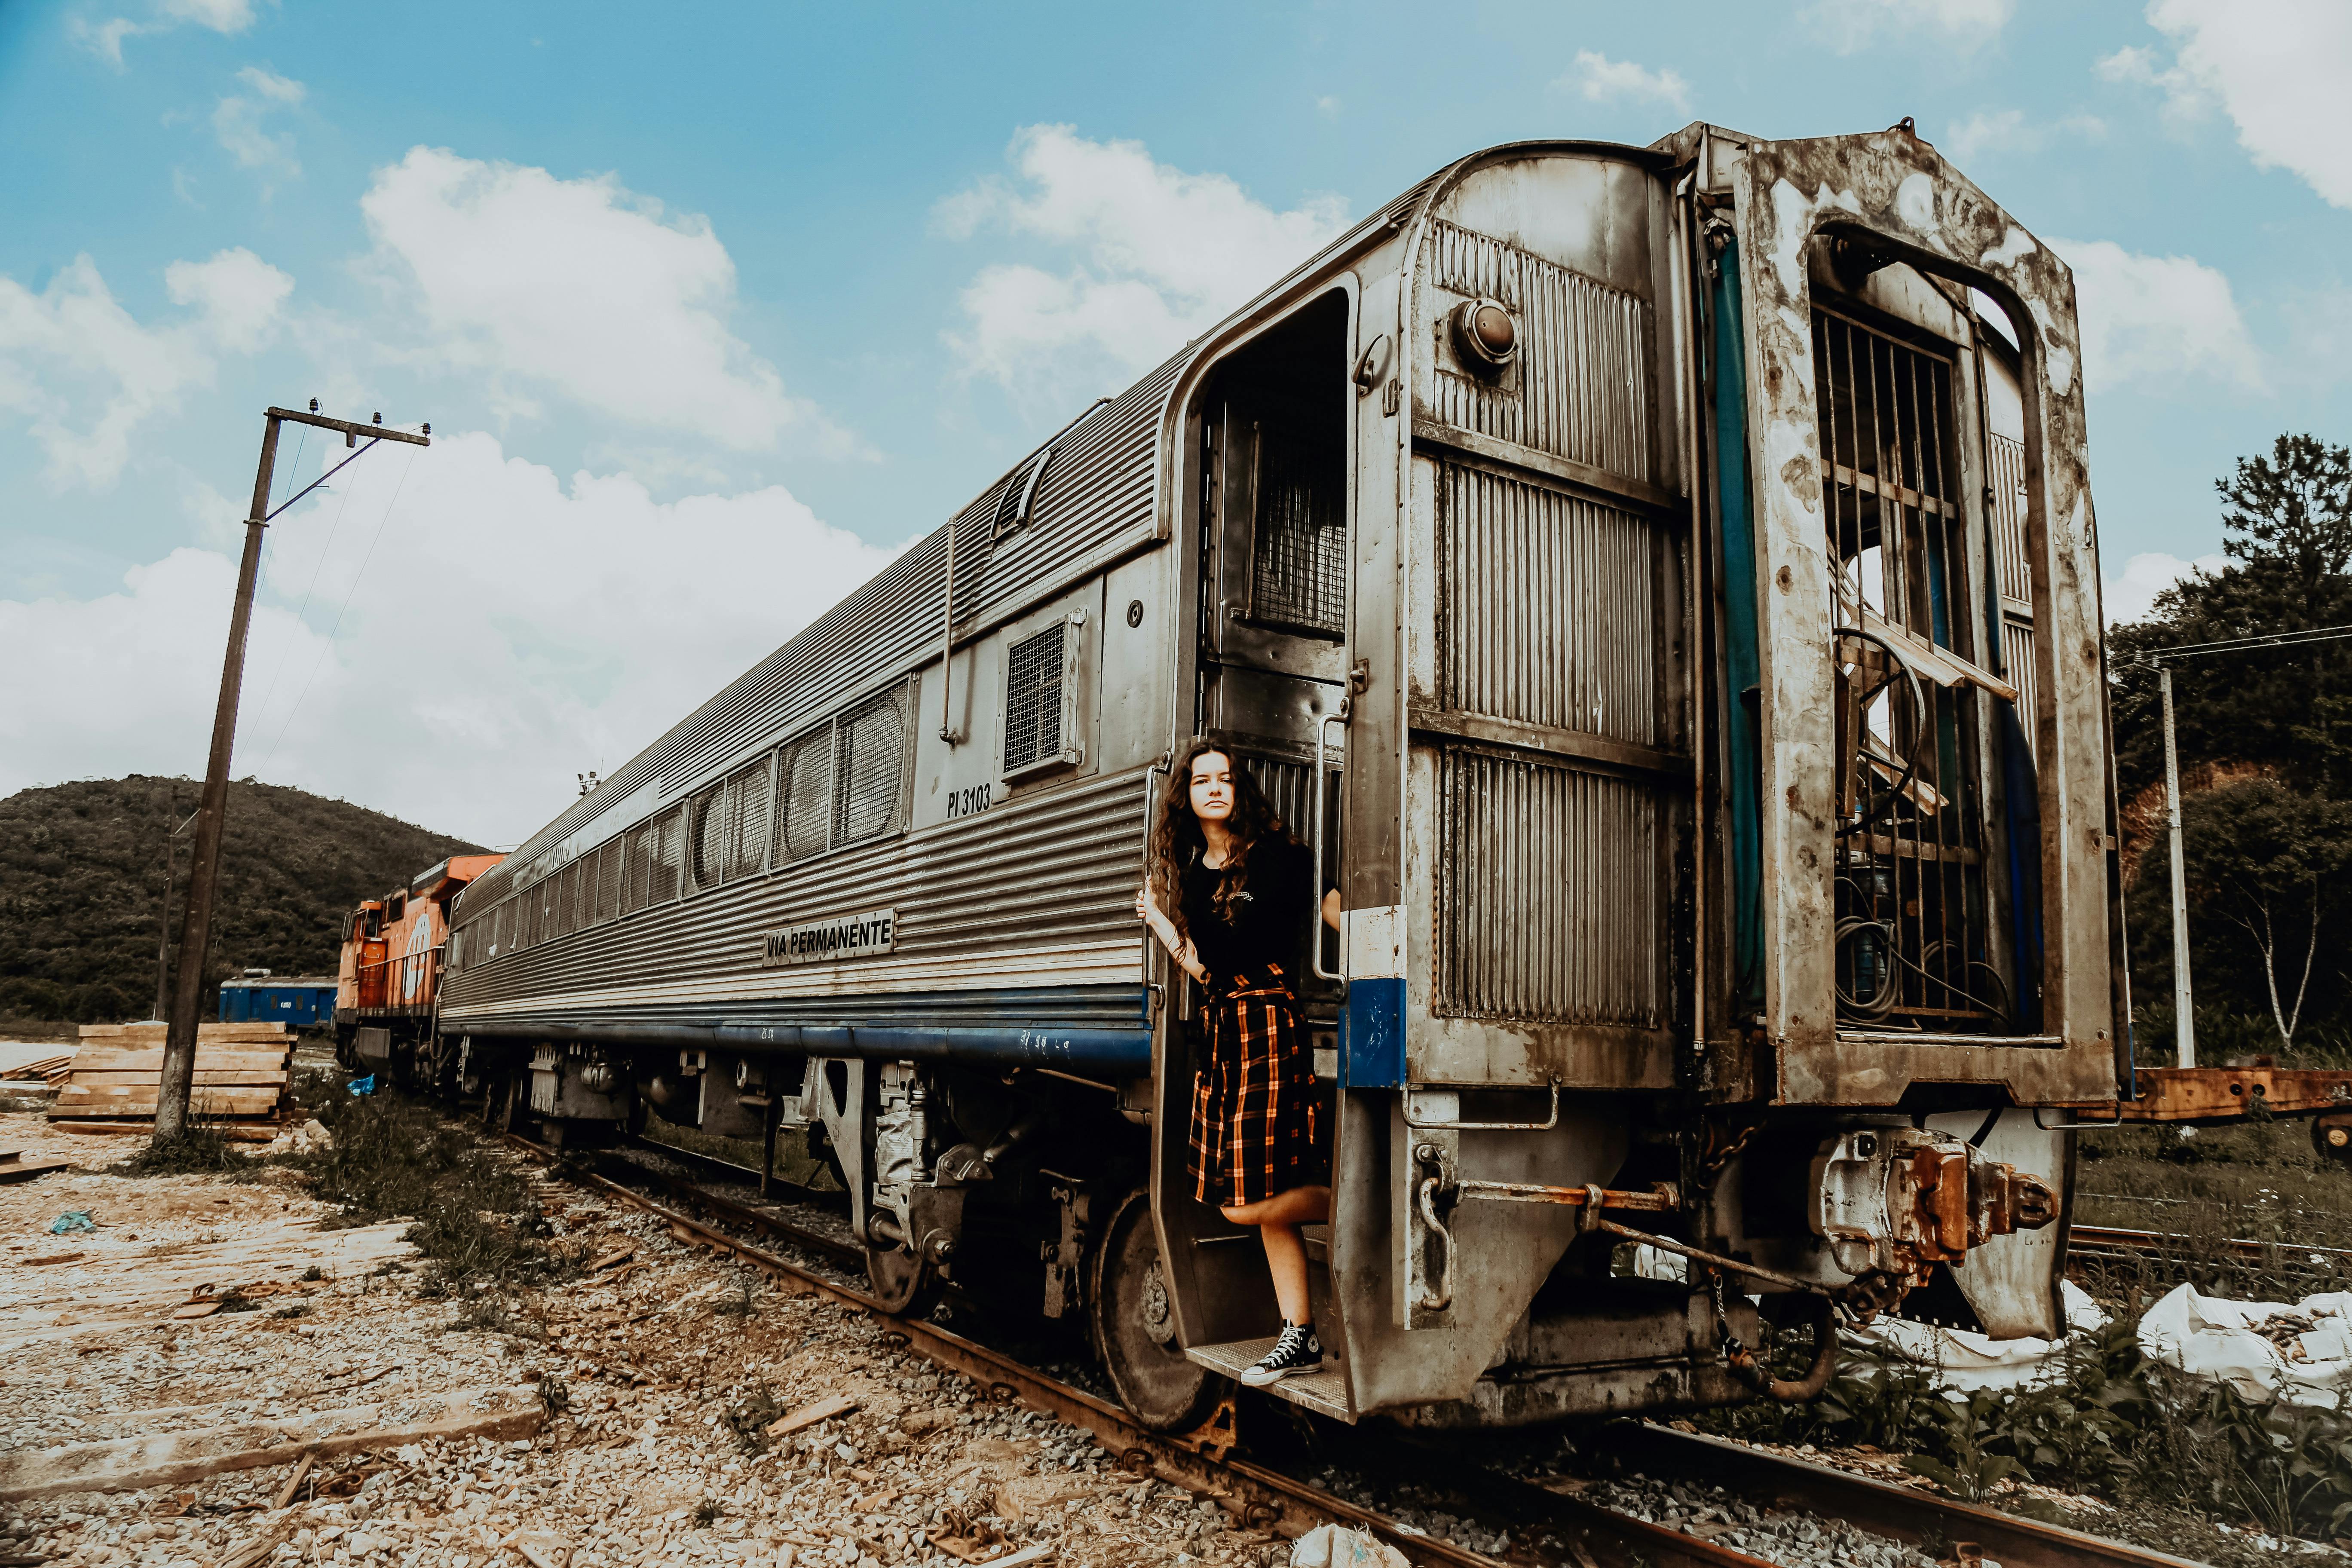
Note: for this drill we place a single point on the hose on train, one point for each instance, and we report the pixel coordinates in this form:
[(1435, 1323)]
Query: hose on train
[(1793, 1391)]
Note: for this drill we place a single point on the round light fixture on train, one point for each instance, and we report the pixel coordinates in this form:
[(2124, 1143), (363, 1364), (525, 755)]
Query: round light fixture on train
[(1485, 334)]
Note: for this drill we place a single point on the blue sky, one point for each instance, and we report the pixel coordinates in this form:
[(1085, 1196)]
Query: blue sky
[(713, 315)]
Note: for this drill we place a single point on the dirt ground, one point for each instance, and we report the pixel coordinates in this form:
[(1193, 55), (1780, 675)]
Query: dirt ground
[(656, 1378)]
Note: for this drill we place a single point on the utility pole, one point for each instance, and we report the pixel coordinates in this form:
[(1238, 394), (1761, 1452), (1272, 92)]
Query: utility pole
[(2184, 1019), (204, 871)]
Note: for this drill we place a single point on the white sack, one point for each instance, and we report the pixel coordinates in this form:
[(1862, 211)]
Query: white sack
[(2264, 1350), (1971, 1361), (1337, 1546)]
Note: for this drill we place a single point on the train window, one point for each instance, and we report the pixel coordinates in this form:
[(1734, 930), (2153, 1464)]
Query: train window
[(667, 854), (634, 864), (1279, 438), (707, 836), (1041, 699), (604, 882), (871, 765), (1014, 502), (396, 907), (1298, 555), (748, 796), (804, 826)]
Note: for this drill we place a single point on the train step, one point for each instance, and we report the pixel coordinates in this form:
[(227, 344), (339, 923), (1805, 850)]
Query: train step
[(1324, 1392)]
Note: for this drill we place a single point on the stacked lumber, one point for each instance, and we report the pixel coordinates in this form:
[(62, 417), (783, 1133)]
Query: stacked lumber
[(47, 1068), (111, 1084)]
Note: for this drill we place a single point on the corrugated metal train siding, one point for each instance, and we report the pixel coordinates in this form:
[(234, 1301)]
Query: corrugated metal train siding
[(1098, 486), (1546, 607), (1059, 871), (1547, 893), (1586, 358)]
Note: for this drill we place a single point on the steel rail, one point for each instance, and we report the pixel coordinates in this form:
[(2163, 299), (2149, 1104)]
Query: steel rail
[(1878, 1506), (719, 1168), (1200, 1461), (2092, 1240)]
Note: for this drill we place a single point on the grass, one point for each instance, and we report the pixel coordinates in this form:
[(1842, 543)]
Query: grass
[(201, 1149)]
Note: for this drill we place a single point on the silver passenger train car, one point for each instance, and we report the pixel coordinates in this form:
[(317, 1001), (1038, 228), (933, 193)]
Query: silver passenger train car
[(1660, 583)]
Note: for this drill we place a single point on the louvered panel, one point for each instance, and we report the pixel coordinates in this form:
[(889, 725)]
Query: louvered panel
[(1547, 608), (2017, 658), (1548, 894), (2006, 460), (1032, 698), (1584, 386)]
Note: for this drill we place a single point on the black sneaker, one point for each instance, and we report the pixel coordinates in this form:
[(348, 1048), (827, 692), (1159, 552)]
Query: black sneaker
[(1295, 1352)]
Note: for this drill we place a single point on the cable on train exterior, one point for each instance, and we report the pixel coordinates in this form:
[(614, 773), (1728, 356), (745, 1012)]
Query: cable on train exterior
[(1660, 583)]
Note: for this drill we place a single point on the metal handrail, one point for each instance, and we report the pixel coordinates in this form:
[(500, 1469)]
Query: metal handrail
[(1314, 883)]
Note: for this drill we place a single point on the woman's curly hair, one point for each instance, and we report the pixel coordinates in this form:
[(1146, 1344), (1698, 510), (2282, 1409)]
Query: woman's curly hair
[(1177, 839)]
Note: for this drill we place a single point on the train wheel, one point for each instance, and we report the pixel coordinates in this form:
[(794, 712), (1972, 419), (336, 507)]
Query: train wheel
[(1134, 1326), (899, 1280)]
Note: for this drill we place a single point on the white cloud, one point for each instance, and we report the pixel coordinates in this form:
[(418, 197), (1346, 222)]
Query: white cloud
[(1600, 80), (2277, 68), (579, 289), (2130, 594), (83, 374), (105, 38), (1160, 255), (614, 617), (2156, 319), (1853, 25), (238, 294), (237, 123), (1992, 131), (220, 15)]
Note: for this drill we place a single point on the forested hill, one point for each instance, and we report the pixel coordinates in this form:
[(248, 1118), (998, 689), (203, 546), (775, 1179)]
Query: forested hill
[(81, 886)]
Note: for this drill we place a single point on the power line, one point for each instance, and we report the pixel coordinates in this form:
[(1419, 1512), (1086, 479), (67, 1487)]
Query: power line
[(327, 645), (300, 615), (2232, 645)]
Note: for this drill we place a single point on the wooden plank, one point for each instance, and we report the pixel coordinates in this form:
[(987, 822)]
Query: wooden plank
[(206, 1078), (16, 1168), (239, 1131), (131, 1464), (824, 1409), (204, 1031), (79, 1103), (209, 1058)]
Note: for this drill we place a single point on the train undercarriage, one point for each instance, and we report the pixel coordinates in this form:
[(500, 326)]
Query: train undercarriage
[(1026, 1191)]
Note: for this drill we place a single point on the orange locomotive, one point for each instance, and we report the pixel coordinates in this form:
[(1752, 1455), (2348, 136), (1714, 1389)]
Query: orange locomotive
[(387, 983)]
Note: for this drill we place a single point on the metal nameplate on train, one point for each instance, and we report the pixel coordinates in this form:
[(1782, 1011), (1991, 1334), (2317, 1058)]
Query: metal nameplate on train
[(821, 941)]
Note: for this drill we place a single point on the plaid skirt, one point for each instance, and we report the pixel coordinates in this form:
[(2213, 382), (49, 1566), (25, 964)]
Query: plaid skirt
[(1257, 1126)]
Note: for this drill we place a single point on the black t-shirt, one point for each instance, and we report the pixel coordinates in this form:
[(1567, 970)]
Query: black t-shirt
[(1273, 917)]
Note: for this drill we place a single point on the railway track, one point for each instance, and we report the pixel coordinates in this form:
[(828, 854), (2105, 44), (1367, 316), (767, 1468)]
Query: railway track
[(1204, 1461), (2111, 1243)]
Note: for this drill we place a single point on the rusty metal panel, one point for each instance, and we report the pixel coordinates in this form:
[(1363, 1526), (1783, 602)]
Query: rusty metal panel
[(1546, 607), (1789, 196), (1547, 893), (1584, 386)]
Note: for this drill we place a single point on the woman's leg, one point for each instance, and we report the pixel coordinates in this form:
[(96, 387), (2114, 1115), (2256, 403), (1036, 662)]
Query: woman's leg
[(1278, 1219)]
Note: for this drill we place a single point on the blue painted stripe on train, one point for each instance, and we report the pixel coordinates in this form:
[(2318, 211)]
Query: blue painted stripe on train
[(1371, 1034)]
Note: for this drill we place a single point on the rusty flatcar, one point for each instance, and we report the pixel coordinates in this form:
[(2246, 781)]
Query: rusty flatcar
[(1662, 584)]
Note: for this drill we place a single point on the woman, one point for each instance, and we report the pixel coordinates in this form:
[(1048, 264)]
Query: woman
[(1260, 1144)]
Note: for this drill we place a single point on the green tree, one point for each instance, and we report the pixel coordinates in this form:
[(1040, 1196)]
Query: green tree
[(2265, 865)]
